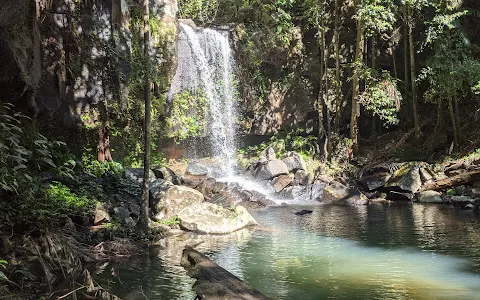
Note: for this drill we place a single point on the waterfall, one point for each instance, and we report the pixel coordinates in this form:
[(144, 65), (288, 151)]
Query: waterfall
[(205, 64)]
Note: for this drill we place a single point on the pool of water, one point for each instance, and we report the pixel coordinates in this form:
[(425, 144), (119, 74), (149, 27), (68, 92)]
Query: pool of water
[(371, 252)]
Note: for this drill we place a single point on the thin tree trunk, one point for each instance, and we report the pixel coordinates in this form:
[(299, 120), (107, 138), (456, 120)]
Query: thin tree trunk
[(438, 125), (406, 71), (457, 118), (144, 218), (416, 120), (338, 100), (394, 61), (360, 47), (452, 118)]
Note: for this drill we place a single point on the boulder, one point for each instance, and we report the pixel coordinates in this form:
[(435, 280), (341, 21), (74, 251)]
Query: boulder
[(299, 192), (294, 162), (101, 215), (210, 218), (268, 154), (301, 178), (168, 203), (476, 184), (474, 192), (271, 169), (339, 194), (469, 206), (460, 190), (430, 197), (426, 174), (461, 200), (405, 179), (374, 181), (223, 199), (136, 174), (196, 170), (167, 174), (157, 187), (316, 190), (281, 182)]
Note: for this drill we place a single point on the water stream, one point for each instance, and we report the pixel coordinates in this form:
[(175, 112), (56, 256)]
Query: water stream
[(372, 252), (205, 64)]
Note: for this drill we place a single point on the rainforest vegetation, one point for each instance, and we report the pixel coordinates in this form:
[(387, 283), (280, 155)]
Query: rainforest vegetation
[(84, 96)]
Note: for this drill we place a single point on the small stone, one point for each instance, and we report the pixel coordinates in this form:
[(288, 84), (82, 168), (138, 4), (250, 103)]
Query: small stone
[(469, 206), (101, 215)]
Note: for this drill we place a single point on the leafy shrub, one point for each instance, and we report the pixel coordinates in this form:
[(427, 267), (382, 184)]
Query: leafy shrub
[(91, 165), (23, 153)]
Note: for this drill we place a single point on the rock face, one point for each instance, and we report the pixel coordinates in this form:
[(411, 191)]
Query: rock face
[(374, 181), (339, 194), (168, 202), (461, 200), (281, 182), (294, 162), (136, 174), (301, 178), (271, 169), (168, 175), (213, 219), (407, 179), (430, 197)]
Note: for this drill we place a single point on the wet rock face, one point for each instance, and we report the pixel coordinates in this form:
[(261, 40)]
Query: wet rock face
[(213, 219)]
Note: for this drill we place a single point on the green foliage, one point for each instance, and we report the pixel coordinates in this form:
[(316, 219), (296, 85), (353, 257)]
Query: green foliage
[(377, 16), (25, 153), (3, 264), (91, 165), (169, 222), (381, 96), (451, 70), (188, 117), (204, 11)]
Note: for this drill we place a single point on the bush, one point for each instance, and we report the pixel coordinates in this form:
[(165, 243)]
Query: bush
[(96, 168)]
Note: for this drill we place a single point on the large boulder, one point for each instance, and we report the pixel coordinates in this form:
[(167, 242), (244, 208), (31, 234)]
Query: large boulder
[(339, 194), (271, 169), (167, 174), (281, 182), (374, 181), (136, 174), (301, 177), (210, 218), (461, 200), (196, 170), (294, 162), (430, 197), (405, 179), (268, 154), (167, 203)]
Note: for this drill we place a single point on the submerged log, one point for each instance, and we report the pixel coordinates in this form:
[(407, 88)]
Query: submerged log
[(453, 181), (213, 281)]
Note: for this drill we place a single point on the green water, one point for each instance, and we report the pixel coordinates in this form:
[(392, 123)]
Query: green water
[(374, 252)]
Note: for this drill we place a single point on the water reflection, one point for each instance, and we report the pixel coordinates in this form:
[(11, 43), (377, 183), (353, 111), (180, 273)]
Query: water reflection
[(369, 252)]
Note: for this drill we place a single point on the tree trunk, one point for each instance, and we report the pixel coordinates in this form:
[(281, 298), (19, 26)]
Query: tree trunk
[(438, 125), (406, 71), (454, 124), (338, 100), (457, 119), (103, 147), (360, 46), (453, 181), (416, 120), (144, 218)]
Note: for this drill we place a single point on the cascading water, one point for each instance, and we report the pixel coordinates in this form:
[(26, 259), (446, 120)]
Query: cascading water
[(205, 64)]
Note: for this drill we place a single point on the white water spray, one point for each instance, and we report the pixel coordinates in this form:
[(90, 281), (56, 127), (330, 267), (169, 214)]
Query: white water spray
[(206, 64)]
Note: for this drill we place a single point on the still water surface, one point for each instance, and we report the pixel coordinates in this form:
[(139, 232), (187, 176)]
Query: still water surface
[(372, 252)]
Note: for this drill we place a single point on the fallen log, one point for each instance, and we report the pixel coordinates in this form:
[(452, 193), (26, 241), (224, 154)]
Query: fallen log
[(213, 281), (453, 181)]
